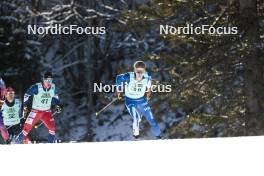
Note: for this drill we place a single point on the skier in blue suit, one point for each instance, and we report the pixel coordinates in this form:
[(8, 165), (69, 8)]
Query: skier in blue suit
[(137, 88)]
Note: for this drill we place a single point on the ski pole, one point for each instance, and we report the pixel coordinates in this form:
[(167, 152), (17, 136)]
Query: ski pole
[(15, 124), (98, 112), (37, 126)]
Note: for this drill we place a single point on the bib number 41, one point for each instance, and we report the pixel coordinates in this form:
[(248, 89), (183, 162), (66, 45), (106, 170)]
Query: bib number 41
[(44, 101)]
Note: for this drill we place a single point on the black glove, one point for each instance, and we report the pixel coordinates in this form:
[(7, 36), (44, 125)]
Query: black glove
[(25, 112), (58, 109)]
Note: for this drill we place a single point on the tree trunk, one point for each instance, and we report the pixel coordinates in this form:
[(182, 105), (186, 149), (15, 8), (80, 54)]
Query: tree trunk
[(254, 68)]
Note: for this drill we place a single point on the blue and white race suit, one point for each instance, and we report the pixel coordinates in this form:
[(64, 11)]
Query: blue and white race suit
[(135, 100)]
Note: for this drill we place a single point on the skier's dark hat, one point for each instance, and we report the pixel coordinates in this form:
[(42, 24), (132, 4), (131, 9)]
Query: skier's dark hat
[(9, 89), (47, 74)]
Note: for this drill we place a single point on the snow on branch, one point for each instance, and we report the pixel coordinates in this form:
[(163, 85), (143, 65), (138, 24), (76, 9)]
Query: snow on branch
[(67, 66), (63, 13), (108, 7), (8, 18), (99, 13)]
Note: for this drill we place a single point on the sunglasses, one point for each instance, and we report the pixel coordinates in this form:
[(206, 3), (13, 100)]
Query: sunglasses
[(48, 80)]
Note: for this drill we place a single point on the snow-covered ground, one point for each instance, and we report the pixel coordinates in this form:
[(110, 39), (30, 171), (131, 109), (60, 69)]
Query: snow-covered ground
[(112, 125), (115, 125)]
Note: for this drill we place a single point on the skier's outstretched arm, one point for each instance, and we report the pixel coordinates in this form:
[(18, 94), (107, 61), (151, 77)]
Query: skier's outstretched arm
[(2, 83), (2, 90), (120, 81), (148, 92), (56, 101), (31, 91)]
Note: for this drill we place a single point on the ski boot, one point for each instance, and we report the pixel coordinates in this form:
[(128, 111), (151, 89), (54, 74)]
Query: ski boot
[(136, 137), (159, 137), (26, 140), (22, 139), (51, 138)]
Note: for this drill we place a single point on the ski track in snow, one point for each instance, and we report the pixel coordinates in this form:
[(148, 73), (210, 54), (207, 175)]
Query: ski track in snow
[(115, 126)]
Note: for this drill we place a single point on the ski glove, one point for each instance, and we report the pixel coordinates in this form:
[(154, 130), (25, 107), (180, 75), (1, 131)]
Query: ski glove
[(148, 95), (58, 109), (119, 95), (25, 112)]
